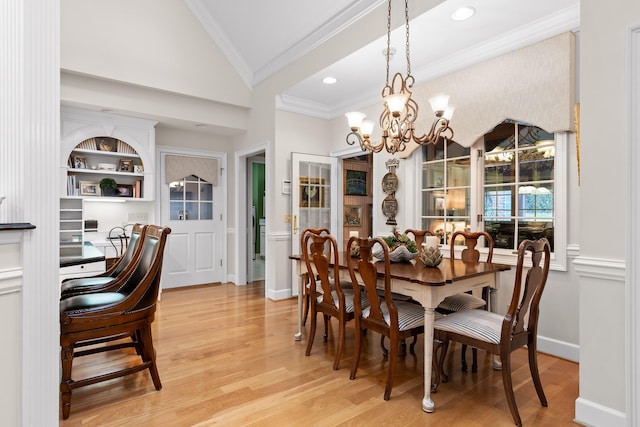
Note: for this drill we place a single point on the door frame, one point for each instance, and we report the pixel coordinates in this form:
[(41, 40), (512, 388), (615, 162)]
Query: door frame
[(241, 175), (222, 183)]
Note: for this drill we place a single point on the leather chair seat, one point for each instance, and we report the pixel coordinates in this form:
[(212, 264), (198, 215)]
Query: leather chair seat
[(84, 282), (86, 301)]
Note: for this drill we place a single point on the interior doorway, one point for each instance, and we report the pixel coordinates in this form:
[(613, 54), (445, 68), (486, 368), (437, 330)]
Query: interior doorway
[(244, 218), (256, 226)]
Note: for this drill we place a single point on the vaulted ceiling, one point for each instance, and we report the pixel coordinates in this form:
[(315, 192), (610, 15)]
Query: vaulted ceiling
[(261, 37)]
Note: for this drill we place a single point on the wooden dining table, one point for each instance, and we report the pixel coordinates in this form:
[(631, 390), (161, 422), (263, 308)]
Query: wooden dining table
[(426, 285)]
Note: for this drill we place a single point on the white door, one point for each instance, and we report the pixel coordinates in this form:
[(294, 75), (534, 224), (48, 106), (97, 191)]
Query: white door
[(314, 197), (192, 208)]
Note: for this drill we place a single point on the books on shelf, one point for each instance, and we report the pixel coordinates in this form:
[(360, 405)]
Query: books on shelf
[(123, 147), (137, 189), (72, 185)]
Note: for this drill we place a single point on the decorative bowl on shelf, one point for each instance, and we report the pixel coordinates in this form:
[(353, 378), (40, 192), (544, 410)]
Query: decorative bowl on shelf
[(107, 166), (399, 254)]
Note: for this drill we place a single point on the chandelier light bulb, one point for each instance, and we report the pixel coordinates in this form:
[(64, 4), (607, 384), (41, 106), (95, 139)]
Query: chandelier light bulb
[(439, 103), (366, 127), (355, 119), (396, 102)]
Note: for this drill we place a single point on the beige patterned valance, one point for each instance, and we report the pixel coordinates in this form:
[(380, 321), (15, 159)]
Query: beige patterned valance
[(534, 84), (178, 167)]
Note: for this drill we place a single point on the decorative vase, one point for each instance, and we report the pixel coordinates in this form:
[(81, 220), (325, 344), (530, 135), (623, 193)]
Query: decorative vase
[(431, 256), (399, 254)]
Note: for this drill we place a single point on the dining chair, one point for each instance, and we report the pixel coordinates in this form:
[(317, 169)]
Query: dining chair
[(396, 320), (418, 236), (466, 301), (93, 320), (122, 267), (327, 296), (305, 278), (501, 335)]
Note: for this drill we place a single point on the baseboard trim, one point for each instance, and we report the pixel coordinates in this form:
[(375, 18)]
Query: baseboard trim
[(279, 295), (557, 348), (594, 414)]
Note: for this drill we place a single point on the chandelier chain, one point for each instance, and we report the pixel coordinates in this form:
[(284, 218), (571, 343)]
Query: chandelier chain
[(388, 41), (406, 19)]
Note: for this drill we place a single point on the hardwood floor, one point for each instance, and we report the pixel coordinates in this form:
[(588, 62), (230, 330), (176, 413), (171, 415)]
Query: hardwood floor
[(227, 356)]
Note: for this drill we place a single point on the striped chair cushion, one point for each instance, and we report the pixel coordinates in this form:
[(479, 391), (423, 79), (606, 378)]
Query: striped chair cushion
[(348, 300), (479, 324), (409, 315), (462, 301)]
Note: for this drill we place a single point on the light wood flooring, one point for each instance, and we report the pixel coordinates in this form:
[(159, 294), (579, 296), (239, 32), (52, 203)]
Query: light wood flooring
[(227, 356)]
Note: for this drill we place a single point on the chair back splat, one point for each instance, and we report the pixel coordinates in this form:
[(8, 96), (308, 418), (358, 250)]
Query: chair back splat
[(501, 335), (305, 277), (125, 310)]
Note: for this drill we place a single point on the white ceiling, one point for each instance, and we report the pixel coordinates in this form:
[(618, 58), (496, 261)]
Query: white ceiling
[(262, 37)]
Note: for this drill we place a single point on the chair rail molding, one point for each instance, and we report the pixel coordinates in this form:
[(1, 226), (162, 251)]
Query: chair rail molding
[(600, 268)]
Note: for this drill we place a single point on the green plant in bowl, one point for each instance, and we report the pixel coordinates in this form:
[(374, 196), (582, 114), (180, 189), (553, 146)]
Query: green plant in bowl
[(108, 186)]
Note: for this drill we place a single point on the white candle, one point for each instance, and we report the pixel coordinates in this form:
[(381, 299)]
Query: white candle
[(431, 241), (354, 233)]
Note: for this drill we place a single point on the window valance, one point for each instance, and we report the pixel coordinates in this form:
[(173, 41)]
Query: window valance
[(535, 84), (178, 167)]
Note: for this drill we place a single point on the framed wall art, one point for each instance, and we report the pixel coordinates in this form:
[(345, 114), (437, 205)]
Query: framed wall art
[(355, 183), (352, 216)]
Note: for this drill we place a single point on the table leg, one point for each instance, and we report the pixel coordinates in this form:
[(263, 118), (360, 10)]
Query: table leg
[(429, 317), (298, 336)]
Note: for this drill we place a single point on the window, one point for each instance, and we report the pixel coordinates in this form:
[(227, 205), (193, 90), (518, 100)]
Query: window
[(191, 198), (511, 183), (446, 189), (518, 184)]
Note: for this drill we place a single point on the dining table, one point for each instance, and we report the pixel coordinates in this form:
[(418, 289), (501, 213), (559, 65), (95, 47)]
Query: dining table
[(426, 285)]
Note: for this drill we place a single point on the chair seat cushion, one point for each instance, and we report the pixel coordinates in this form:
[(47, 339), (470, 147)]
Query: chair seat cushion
[(462, 301), (83, 282), (87, 301), (348, 300), (409, 315), (480, 324)]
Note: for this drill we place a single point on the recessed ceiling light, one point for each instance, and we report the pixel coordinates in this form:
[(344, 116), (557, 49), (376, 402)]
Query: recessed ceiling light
[(200, 125), (463, 13), (329, 80)]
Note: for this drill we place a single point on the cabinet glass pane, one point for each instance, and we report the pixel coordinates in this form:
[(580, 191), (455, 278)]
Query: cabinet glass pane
[(536, 164), (433, 151), (433, 175), (458, 173)]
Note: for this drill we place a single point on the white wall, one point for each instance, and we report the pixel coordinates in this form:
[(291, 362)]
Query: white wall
[(601, 264), (152, 43)]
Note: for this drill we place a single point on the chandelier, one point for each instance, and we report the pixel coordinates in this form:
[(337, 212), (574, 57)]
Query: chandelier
[(400, 112)]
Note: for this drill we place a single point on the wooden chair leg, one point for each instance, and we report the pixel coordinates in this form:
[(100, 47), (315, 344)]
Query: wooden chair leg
[(305, 308), (391, 369), (338, 356), (535, 374), (474, 362), (356, 355), (443, 353), (149, 355), (463, 358), (385, 352), (508, 389), (326, 327), (66, 354), (312, 331)]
